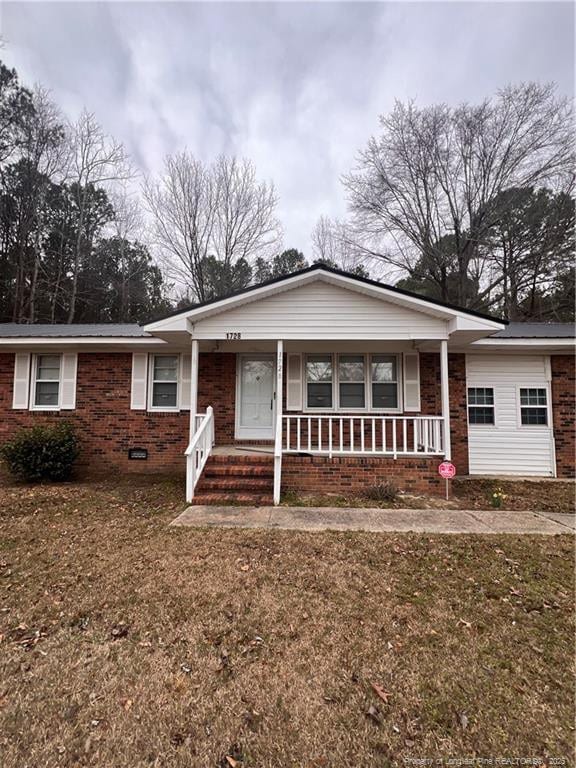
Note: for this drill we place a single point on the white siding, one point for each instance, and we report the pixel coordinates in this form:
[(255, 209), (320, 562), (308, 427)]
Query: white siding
[(508, 447), (320, 311)]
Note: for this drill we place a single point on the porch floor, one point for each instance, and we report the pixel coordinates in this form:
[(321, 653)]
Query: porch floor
[(242, 450)]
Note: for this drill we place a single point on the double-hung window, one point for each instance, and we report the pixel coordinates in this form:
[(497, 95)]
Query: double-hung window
[(533, 406), (351, 381), (164, 382), (384, 381), (46, 385), (480, 405), (319, 379)]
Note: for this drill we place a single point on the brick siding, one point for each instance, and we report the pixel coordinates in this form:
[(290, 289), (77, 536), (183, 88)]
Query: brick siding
[(107, 427), (351, 475), (564, 416)]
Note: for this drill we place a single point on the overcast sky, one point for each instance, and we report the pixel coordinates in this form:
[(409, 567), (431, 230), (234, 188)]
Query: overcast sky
[(296, 87)]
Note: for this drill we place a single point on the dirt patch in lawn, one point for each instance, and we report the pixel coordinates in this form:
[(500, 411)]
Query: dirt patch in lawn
[(465, 493), (129, 643)]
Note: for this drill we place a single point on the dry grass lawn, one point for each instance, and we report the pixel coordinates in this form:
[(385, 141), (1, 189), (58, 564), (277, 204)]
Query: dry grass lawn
[(129, 643)]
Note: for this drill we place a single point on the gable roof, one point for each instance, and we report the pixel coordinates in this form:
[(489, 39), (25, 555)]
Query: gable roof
[(295, 278)]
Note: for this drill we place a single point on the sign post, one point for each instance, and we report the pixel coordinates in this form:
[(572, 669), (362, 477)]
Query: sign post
[(447, 470)]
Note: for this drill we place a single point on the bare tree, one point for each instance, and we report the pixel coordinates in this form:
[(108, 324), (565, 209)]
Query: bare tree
[(201, 211), (96, 160), (424, 191), (336, 243)]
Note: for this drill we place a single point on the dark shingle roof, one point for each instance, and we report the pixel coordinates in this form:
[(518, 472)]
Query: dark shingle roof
[(107, 330), (536, 331)]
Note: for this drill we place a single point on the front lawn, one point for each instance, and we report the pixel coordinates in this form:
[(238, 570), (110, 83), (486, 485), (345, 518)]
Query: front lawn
[(128, 643)]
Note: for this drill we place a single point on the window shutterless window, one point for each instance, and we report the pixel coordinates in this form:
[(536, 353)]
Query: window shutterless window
[(480, 405), (319, 378), (165, 381), (533, 406), (384, 381), (47, 381), (351, 381)]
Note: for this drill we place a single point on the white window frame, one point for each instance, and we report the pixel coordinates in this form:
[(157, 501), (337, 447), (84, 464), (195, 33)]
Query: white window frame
[(399, 382), (369, 407), (468, 406), (548, 406), (34, 381), (310, 408), (157, 408)]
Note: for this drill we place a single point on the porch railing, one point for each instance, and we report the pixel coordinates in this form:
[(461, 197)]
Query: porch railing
[(199, 450), (366, 435)]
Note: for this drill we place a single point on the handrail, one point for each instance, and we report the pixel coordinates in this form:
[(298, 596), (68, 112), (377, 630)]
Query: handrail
[(360, 434), (199, 450)]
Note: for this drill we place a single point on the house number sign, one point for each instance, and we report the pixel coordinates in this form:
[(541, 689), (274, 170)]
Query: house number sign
[(233, 335)]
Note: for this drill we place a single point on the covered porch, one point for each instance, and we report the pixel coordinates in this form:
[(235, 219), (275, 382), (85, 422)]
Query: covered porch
[(288, 400)]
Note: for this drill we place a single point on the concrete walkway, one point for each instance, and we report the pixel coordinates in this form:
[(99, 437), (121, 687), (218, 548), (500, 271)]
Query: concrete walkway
[(378, 520)]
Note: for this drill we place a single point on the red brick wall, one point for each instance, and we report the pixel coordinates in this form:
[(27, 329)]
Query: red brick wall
[(318, 474), (217, 387), (106, 426), (458, 412), (564, 416)]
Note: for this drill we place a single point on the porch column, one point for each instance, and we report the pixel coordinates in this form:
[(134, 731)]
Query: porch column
[(193, 386), (445, 391), (278, 430)]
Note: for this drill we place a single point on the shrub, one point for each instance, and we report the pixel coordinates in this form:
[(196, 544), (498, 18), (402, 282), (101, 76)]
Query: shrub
[(384, 491), (45, 452)]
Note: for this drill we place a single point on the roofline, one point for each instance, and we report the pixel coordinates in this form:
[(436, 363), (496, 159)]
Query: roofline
[(532, 341), (338, 273), (27, 341)]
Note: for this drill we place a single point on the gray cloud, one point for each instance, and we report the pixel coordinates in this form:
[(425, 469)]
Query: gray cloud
[(297, 87)]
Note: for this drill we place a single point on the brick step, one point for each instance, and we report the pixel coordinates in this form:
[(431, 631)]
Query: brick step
[(225, 484), (239, 470), (239, 459), (240, 499)]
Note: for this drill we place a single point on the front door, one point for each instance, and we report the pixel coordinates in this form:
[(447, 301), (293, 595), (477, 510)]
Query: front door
[(255, 397)]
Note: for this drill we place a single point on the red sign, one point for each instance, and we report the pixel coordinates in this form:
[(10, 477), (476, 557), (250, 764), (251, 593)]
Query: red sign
[(447, 469)]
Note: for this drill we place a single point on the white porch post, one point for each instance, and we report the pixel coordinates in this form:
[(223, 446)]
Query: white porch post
[(193, 386), (278, 431), (445, 391)]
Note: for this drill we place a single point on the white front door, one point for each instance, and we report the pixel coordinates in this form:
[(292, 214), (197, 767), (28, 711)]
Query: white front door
[(255, 402)]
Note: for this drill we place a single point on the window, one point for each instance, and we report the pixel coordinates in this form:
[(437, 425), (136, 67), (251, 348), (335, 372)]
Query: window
[(47, 381), (533, 407), (351, 381), (319, 381), (384, 378), (165, 382), (480, 405)]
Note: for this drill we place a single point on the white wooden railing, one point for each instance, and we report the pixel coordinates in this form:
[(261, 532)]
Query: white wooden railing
[(367, 435), (199, 449)]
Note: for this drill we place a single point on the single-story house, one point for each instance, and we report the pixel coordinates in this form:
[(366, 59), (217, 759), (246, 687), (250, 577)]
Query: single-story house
[(317, 381)]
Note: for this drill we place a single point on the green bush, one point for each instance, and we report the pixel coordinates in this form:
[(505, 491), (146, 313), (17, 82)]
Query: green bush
[(44, 452)]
